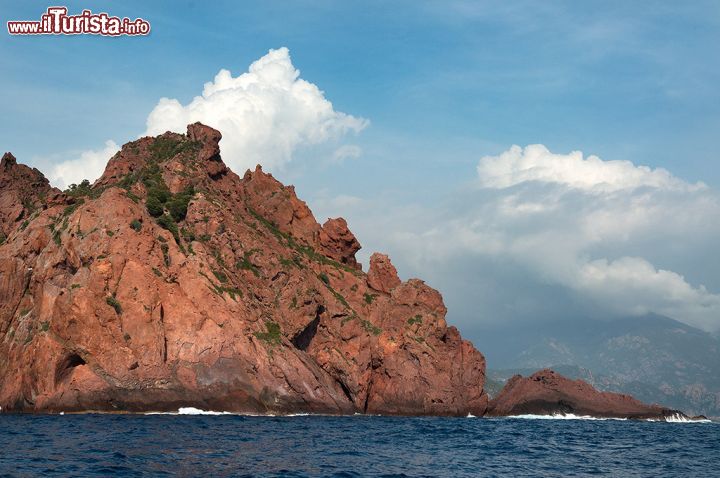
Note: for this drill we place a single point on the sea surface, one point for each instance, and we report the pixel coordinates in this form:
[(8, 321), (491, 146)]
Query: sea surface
[(232, 445)]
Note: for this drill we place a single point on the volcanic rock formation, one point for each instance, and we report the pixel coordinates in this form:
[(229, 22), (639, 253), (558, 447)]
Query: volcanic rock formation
[(548, 393), (171, 281)]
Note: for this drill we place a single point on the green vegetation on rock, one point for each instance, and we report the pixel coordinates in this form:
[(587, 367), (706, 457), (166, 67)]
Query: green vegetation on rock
[(415, 320), (370, 328), (245, 264), (369, 298), (272, 336)]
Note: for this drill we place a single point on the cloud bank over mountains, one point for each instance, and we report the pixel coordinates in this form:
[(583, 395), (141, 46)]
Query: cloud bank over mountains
[(265, 115), (587, 225)]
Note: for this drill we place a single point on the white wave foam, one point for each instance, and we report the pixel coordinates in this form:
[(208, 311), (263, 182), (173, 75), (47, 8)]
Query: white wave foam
[(190, 411), (678, 418), (562, 416), (470, 415), (198, 411), (675, 418)]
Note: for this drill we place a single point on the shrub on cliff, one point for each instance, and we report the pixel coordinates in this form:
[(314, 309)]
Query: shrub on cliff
[(154, 206), (177, 206), (136, 225)]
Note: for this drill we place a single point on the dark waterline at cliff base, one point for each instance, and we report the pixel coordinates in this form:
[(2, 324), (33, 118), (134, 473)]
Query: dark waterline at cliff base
[(161, 445)]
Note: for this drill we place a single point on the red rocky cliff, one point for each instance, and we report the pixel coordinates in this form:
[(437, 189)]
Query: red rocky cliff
[(174, 282)]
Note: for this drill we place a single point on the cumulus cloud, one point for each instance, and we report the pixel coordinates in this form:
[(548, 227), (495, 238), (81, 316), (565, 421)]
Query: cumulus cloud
[(603, 235), (536, 163), (264, 114), (87, 165)]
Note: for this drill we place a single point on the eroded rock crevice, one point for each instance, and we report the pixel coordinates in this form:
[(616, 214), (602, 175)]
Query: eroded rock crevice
[(302, 339), (66, 366), (345, 390)]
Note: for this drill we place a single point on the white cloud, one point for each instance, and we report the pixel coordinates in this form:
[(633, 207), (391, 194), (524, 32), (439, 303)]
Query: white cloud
[(633, 284), (346, 151), (265, 114), (559, 215), (88, 165), (536, 163)]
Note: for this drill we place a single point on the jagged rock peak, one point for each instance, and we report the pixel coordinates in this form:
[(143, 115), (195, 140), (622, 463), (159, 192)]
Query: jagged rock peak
[(7, 161), (24, 191), (382, 274), (183, 158), (208, 137), (339, 242)]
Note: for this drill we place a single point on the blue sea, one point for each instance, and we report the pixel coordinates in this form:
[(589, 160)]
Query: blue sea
[(232, 445)]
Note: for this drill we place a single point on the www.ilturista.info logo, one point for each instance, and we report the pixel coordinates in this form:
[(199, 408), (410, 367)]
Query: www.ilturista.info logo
[(57, 22)]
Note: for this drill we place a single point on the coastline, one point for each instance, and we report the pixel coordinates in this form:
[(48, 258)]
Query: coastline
[(192, 411)]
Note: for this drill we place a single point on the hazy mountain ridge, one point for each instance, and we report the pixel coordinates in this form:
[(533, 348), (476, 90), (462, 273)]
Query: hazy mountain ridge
[(654, 358)]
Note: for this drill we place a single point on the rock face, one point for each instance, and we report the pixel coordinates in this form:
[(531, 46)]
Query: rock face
[(174, 282), (547, 393)]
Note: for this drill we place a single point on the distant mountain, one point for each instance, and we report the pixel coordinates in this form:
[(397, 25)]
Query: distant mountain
[(654, 358)]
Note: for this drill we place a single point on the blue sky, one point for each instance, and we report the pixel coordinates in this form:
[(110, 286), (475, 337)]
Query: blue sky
[(442, 84), (621, 81)]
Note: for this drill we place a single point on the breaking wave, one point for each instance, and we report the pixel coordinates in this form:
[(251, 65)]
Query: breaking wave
[(562, 416), (190, 411), (678, 418), (198, 411), (675, 418)]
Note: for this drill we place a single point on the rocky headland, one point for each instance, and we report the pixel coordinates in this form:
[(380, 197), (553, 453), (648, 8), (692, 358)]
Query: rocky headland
[(173, 282)]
